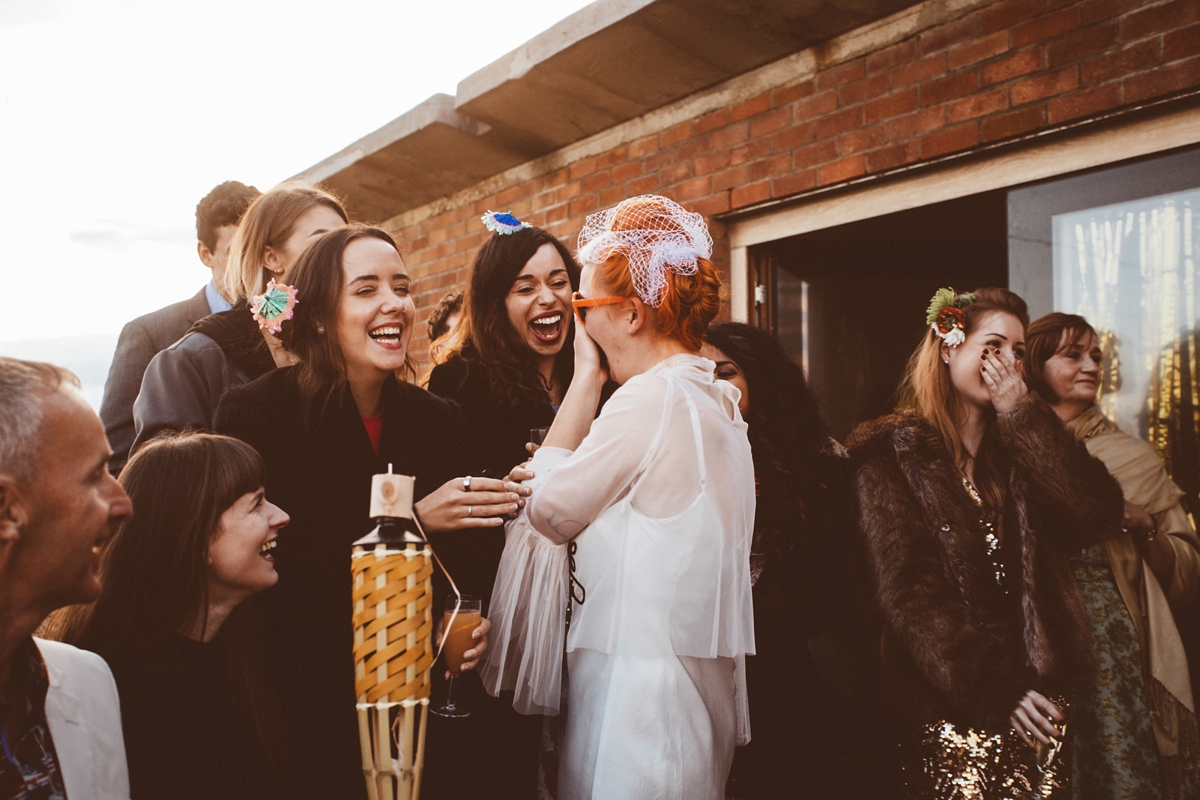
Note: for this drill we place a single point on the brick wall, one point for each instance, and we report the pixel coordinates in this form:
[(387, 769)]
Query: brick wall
[(1004, 71)]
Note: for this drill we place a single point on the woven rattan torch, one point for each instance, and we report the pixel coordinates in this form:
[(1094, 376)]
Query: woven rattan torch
[(393, 641)]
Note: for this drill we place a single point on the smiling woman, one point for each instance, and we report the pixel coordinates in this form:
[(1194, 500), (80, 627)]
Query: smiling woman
[(324, 427)]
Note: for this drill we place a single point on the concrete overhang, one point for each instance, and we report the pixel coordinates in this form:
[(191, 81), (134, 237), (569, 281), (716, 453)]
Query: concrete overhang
[(611, 61)]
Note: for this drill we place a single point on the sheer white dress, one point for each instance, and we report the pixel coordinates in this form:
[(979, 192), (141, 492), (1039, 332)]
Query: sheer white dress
[(659, 501)]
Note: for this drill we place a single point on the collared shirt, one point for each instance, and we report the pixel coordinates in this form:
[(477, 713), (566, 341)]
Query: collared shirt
[(216, 303), (28, 764)]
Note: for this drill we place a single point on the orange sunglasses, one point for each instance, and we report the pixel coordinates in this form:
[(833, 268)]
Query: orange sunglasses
[(581, 304)]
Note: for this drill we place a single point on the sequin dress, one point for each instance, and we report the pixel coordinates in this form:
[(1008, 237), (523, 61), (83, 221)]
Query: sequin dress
[(950, 762)]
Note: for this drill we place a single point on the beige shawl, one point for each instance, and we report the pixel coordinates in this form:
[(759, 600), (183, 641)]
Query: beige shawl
[(1145, 482)]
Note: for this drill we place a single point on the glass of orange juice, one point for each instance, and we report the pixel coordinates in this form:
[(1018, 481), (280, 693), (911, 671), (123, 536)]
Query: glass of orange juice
[(461, 618)]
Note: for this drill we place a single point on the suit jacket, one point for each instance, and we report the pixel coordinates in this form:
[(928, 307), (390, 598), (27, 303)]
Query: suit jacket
[(84, 715), (140, 341)]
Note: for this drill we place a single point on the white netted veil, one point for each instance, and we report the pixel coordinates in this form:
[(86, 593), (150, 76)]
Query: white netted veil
[(657, 235)]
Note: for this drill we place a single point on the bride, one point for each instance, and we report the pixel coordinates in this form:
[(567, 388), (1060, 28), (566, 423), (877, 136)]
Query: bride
[(644, 516)]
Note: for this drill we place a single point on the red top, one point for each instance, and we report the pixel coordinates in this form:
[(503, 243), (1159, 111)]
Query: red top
[(374, 427)]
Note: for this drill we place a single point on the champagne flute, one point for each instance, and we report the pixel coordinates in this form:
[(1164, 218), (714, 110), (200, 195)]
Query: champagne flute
[(537, 436), (456, 640)]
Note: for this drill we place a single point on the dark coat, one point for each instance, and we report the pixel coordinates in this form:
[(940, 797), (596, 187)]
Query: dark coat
[(319, 470), (494, 433), (140, 340), (955, 646)]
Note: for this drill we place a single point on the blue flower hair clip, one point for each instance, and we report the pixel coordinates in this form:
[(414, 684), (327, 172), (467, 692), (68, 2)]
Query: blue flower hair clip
[(504, 224)]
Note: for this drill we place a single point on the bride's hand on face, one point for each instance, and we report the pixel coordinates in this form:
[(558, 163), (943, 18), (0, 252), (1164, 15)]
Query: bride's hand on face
[(1002, 376), (588, 362), (486, 504)]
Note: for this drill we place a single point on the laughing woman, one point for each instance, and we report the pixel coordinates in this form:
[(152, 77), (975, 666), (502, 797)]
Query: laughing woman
[(324, 427), (507, 364)]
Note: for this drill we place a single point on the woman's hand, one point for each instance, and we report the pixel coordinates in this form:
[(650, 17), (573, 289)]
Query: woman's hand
[(521, 472), (1138, 521), (587, 357), (472, 656), (470, 503), (1002, 376), (1030, 721), (1157, 551)]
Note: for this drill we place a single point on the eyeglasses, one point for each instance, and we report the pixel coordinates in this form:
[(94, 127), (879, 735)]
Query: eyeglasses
[(581, 304)]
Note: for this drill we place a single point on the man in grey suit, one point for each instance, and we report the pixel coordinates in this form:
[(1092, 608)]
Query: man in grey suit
[(217, 218)]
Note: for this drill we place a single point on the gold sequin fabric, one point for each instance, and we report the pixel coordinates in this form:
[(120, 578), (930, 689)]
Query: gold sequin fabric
[(952, 763)]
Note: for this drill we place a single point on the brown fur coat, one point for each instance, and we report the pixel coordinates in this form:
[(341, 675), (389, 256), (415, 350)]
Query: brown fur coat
[(955, 646)]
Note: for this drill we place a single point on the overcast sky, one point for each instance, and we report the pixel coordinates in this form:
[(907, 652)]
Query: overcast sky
[(116, 117)]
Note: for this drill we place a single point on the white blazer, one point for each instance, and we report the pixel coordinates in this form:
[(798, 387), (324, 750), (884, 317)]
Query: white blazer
[(84, 715)]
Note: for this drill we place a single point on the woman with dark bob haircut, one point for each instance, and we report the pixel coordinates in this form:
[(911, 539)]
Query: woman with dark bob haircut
[(1135, 731), (197, 705), (508, 362), (803, 585), (324, 427)]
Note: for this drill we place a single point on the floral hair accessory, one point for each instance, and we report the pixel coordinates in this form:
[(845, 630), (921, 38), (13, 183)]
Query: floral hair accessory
[(945, 316), (273, 307), (504, 224)]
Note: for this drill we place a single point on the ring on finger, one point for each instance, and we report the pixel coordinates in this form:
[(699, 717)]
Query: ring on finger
[(469, 509), (467, 484)]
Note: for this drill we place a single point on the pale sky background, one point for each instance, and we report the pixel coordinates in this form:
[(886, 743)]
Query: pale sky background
[(116, 117)]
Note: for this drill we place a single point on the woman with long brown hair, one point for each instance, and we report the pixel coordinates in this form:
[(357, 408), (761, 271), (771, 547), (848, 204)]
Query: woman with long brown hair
[(184, 383), (971, 498), (324, 427), (197, 705), (1135, 731)]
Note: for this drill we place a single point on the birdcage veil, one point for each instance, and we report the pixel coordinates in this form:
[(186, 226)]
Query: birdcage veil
[(654, 234)]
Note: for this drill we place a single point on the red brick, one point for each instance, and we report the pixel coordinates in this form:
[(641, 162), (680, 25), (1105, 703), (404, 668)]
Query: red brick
[(1164, 80), (1081, 44), (512, 193), (842, 170), (775, 165), (1013, 123), (1182, 43), (643, 147), (713, 204), (794, 136), (891, 106), (675, 174), (885, 59), (732, 135), (1045, 27), (580, 168), (863, 139), (928, 67), (1047, 84), (815, 106), (556, 178), (557, 213), (1096, 10), (627, 171), (981, 50), (612, 196), (950, 140), (865, 89), (771, 122), (695, 147), (896, 155), (615, 156), (711, 121), (712, 163), (947, 88), (1131, 60), (675, 135), (692, 189), (793, 183), (790, 94), (923, 121), (731, 178), (842, 73), (840, 122), (565, 193), (755, 105), (1159, 18), (593, 182), (1003, 16), (1084, 104), (583, 205), (748, 195), (948, 35), (977, 105), (1013, 66), (646, 185), (751, 151), (813, 154)]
